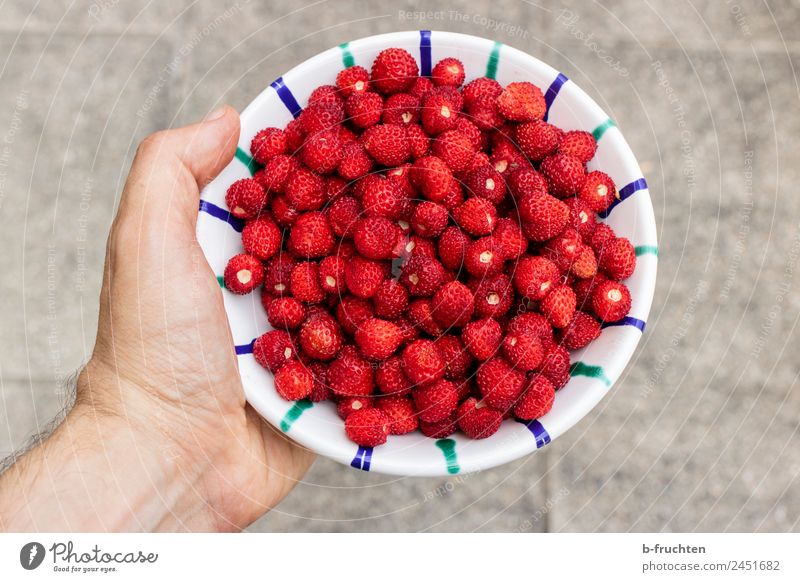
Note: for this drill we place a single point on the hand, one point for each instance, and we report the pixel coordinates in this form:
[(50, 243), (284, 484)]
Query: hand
[(161, 398)]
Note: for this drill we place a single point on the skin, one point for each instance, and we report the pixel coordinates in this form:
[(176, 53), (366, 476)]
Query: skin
[(160, 437)]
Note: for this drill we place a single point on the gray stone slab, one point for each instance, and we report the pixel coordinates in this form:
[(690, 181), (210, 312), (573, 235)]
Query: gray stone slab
[(335, 498), (26, 410), (75, 109)]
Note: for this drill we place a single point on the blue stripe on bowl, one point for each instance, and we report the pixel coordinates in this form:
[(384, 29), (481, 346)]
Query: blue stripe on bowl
[(286, 96), (362, 459), (225, 216), (538, 431), (552, 92), (632, 321), (245, 349), (624, 193), (425, 53)]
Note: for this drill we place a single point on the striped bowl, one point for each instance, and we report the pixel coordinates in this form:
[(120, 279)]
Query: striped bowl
[(595, 368)]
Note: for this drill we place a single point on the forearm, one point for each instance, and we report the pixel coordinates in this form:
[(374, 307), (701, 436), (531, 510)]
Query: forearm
[(95, 473)]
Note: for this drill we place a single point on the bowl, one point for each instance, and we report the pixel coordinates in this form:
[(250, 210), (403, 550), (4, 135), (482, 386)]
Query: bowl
[(595, 368)]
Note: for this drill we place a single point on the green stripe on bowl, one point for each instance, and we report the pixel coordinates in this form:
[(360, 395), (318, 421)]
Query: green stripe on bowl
[(646, 250), (221, 281), (581, 369), (295, 412), (252, 165), (598, 131), (448, 447), (347, 56), (494, 58)]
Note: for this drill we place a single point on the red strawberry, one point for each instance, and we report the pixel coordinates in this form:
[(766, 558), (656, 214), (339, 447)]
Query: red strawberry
[(477, 420), (477, 216), (387, 144), (261, 238), (432, 176), (352, 312), (523, 350), (293, 381), (355, 163), (327, 95), (534, 323), (580, 144), (275, 174), (481, 87), (285, 313), (394, 71), (352, 80), (558, 306), (320, 390), (320, 338), (524, 180), (484, 257), (363, 277), (283, 212), (543, 216), (493, 295), (401, 109), (331, 275), (452, 246), (582, 330), (422, 275), (453, 305), (378, 339), (391, 379), (537, 399), (611, 301), (376, 237), (246, 198), (439, 430), (601, 236), (268, 143), (429, 219), (565, 174), (455, 356), (555, 366), (364, 109), (538, 139), (322, 152), (439, 113), (305, 283), (421, 87), (521, 101), (342, 215), (454, 148), (277, 274), (618, 259), (316, 118), (582, 218), (484, 113), (367, 427), (350, 374), (305, 190), (391, 299), (401, 413), (499, 383), (598, 191), (422, 363), (273, 349), (243, 273), (420, 314), (449, 71), (535, 276), (311, 236), (509, 237), (418, 141), (350, 404), (437, 401), (485, 182), (482, 338)]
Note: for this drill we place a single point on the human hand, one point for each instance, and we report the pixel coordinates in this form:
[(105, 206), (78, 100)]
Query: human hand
[(161, 399)]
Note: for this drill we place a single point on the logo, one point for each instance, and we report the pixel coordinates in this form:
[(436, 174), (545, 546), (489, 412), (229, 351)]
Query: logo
[(31, 555)]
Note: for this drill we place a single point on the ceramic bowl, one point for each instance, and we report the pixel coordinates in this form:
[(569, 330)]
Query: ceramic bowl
[(595, 368)]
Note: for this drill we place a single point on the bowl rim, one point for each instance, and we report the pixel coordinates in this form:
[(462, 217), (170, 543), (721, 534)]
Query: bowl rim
[(520, 447)]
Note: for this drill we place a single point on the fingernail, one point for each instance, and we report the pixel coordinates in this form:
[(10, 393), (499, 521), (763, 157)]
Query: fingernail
[(216, 114)]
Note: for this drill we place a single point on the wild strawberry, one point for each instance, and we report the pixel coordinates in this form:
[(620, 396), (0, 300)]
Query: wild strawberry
[(585, 264), (439, 430), (420, 314), (521, 101), (582, 330), (275, 174), (484, 257), (558, 306), (454, 148), (383, 198), (331, 275), (391, 379), (457, 360), (432, 176), (543, 216), (246, 198), (564, 249), (477, 216), (326, 95), (367, 427), (243, 273), (480, 87), (449, 71), (538, 139), (387, 144), (584, 289), (618, 259), (580, 144), (416, 245), (418, 141), (598, 191), (350, 374), (342, 216), (509, 237), (320, 338), (335, 187), (355, 161), (477, 420), (376, 237), (401, 413), (378, 339), (439, 113), (285, 313), (305, 283), (476, 137), (582, 218), (421, 87), (437, 401), (602, 235), (352, 312), (391, 299), (453, 305), (422, 363), (534, 277), (284, 213), (499, 383), (422, 275), (319, 117), (565, 174), (277, 274), (611, 301), (394, 71), (537, 399), (350, 404), (555, 365), (305, 190), (296, 135), (363, 277), (267, 144), (261, 238), (410, 333), (524, 181), (482, 338), (320, 391), (429, 219), (364, 109), (401, 109), (452, 246), (523, 350), (486, 183), (311, 236), (293, 381), (534, 323), (273, 349), (454, 198), (484, 113), (452, 94), (352, 80), (493, 295)]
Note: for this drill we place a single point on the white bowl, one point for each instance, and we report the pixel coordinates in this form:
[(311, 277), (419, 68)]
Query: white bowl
[(595, 367)]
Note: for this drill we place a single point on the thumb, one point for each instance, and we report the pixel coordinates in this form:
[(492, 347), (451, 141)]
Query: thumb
[(173, 165)]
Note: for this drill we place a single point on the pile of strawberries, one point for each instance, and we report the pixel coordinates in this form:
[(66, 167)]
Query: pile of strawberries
[(428, 252)]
